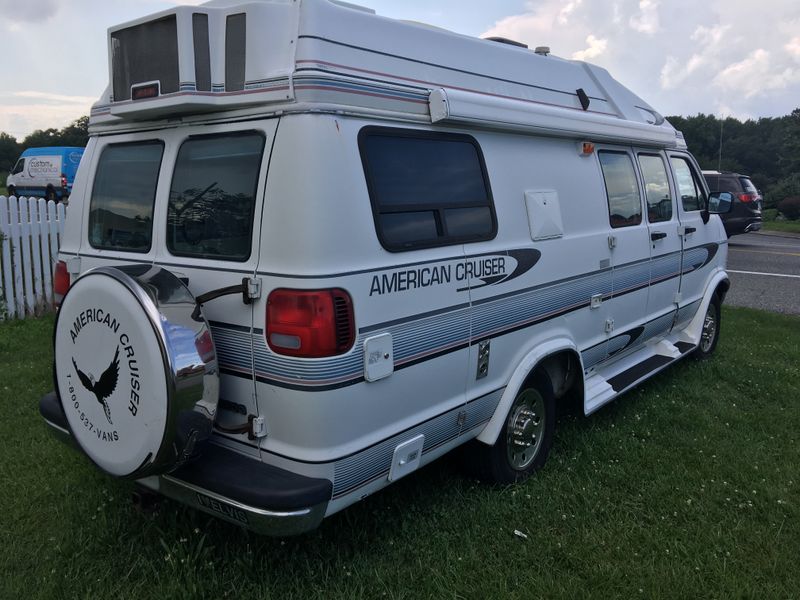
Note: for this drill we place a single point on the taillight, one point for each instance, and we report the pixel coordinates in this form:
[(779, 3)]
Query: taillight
[(60, 282), (205, 347), (747, 197), (63, 181), (310, 323)]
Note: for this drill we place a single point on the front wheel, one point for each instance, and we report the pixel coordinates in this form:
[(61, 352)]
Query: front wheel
[(525, 441), (709, 336)]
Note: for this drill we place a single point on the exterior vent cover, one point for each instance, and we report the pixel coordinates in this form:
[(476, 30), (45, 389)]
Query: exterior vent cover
[(145, 53)]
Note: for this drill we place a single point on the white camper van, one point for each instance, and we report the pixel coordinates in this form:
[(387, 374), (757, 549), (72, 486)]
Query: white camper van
[(311, 249)]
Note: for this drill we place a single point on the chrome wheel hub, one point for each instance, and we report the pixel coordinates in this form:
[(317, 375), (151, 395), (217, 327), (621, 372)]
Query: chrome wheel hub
[(525, 429), (709, 329)]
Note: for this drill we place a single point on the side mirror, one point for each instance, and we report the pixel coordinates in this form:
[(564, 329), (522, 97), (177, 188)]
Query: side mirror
[(720, 203)]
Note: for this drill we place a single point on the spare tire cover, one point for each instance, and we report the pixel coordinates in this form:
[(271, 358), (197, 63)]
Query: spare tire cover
[(135, 368)]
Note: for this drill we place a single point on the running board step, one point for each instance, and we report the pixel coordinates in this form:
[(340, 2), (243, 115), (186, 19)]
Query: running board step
[(666, 355), (635, 373)]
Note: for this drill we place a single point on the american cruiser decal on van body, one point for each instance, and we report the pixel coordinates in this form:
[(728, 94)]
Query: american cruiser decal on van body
[(422, 337), (473, 272)]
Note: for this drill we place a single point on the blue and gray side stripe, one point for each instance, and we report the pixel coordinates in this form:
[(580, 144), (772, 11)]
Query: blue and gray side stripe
[(422, 337)]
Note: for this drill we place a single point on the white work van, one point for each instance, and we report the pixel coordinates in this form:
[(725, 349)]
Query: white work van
[(311, 249)]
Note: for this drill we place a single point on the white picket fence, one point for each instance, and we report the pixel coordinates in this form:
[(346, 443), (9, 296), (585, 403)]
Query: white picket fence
[(30, 233)]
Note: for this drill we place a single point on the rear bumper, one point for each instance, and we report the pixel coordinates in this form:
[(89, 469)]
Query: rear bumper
[(736, 225), (229, 485)]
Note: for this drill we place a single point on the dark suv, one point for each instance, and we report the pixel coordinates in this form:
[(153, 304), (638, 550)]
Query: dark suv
[(745, 214)]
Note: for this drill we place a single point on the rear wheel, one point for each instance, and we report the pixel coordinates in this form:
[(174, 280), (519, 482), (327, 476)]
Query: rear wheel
[(710, 332), (50, 194), (525, 441)]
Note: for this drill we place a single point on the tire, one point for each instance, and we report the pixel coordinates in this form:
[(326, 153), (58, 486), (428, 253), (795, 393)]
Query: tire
[(50, 194), (710, 333), (525, 440), (12, 191)]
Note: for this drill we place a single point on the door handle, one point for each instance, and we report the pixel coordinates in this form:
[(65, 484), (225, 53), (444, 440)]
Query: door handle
[(689, 230), (657, 235)]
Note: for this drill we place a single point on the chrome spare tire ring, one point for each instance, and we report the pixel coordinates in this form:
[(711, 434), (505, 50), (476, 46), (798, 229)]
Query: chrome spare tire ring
[(136, 369)]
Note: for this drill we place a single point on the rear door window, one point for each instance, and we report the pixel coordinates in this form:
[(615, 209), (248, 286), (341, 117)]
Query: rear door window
[(656, 187), (427, 189), (123, 194), (622, 188), (213, 194), (692, 195)]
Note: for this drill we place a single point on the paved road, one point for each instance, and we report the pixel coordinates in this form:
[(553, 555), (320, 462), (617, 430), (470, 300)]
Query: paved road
[(765, 272)]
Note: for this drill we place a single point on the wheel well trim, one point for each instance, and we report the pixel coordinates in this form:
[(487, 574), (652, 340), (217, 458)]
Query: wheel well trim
[(694, 330), (525, 368)]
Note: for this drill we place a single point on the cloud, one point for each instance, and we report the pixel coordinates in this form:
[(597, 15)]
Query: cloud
[(756, 75), (793, 47), (23, 112), (595, 48), (30, 11), (563, 16), (58, 98), (646, 21), (682, 56)]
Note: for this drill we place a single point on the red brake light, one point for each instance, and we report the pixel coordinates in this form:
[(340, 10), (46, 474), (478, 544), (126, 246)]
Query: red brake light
[(310, 323), (61, 281), (63, 181), (747, 197)]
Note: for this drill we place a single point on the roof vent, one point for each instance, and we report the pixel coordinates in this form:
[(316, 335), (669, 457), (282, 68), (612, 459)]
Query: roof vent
[(543, 50), (502, 40)]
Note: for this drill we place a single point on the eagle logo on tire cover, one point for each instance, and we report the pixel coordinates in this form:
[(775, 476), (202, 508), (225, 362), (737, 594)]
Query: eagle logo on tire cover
[(103, 387)]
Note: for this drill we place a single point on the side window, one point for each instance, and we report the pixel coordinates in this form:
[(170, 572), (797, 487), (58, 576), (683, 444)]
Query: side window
[(18, 167), (622, 188), (656, 187), (213, 195), (692, 195), (124, 190), (427, 189)]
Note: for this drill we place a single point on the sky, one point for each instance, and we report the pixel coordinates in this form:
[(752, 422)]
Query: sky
[(738, 58)]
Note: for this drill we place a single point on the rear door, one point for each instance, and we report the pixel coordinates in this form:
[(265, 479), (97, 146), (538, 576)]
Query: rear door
[(629, 240), (207, 231), (665, 241)]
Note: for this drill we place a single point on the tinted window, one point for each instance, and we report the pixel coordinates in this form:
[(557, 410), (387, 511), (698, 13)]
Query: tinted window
[(656, 188), (124, 190), (692, 195), (747, 185), (235, 51), (713, 182), (622, 188), (426, 189), (213, 195), (146, 52), (18, 167), (202, 53)]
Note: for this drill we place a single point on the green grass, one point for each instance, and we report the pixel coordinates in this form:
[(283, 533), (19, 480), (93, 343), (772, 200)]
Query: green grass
[(688, 487), (789, 226)]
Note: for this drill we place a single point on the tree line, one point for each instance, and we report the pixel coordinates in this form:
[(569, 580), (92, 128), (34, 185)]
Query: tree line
[(766, 149)]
